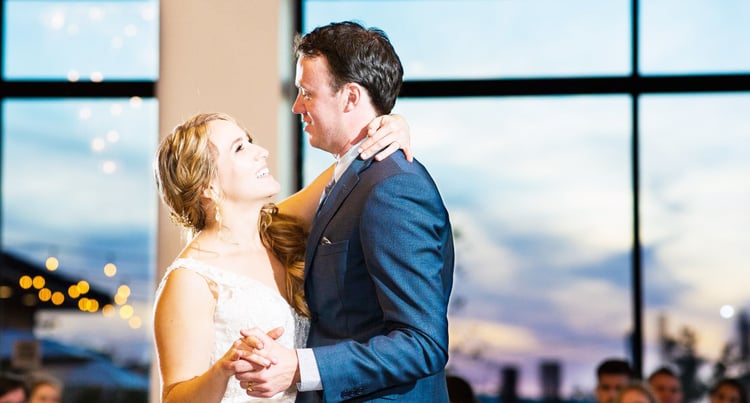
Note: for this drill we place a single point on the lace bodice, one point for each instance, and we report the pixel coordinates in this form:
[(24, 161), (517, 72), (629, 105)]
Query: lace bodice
[(243, 302)]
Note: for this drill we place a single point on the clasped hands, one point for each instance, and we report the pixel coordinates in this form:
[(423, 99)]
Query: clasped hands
[(267, 367)]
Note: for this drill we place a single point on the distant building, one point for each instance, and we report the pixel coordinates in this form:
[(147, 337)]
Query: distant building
[(509, 384), (550, 374)]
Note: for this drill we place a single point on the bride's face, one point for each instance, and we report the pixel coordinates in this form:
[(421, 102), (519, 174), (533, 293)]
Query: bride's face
[(243, 173)]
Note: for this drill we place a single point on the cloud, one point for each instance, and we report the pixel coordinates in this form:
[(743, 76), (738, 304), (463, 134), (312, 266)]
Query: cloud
[(468, 334), (480, 255), (593, 307)]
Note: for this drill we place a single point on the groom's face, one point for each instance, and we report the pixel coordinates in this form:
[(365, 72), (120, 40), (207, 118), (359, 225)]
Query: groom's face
[(319, 106)]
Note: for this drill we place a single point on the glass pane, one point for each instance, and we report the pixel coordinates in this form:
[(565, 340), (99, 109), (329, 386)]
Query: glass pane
[(695, 196), (695, 36), (494, 39), (77, 185), (81, 40), (539, 195)]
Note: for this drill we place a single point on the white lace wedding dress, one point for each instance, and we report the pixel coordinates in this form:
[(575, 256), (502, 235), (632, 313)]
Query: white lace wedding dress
[(244, 303)]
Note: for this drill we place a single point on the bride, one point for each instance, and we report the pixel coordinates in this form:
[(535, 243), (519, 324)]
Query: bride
[(243, 266)]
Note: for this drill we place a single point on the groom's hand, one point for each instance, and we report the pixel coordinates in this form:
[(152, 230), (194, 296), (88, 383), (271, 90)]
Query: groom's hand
[(268, 381), (250, 349)]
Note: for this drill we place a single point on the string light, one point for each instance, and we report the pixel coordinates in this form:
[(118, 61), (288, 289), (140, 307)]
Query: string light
[(52, 263), (83, 286), (108, 310), (38, 282), (73, 291), (110, 269), (126, 311), (58, 298), (25, 282), (135, 322), (45, 294)]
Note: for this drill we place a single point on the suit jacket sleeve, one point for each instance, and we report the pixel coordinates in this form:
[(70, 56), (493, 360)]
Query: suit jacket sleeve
[(407, 246)]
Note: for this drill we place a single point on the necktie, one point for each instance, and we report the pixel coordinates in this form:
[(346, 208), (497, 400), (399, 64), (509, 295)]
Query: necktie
[(326, 191)]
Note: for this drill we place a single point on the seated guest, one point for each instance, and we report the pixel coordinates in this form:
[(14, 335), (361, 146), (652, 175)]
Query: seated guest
[(45, 389), (611, 376), (728, 390), (666, 385), (12, 389), (459, 391), (636, 392)]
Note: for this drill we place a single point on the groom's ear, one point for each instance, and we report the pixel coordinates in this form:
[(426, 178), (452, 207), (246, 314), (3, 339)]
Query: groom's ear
[(353, 94)]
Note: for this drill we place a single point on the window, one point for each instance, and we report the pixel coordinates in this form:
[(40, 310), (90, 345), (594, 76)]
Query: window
[(592, 161), (79, 130)]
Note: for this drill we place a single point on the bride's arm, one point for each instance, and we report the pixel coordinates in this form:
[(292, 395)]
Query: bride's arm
[(304, 203), (184, 335)]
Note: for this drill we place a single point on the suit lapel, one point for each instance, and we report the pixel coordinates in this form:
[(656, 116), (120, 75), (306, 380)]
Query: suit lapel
[(335, 199)]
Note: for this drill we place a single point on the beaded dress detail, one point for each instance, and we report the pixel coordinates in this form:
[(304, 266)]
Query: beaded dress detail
[(243, 302)]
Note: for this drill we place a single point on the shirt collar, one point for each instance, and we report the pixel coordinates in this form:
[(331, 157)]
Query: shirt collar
[(345, 160)]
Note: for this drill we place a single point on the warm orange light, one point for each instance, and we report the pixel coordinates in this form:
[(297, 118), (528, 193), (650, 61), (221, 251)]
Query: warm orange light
[(52, 263), (83, 304), (108, 310), (83, 286), (44, 294), (38, 282), (58, 298), (25, 282), (73, 291), (92, 305), (5, 292)]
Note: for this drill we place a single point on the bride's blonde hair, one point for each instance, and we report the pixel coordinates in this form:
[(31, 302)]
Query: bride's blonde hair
[(185, 165)]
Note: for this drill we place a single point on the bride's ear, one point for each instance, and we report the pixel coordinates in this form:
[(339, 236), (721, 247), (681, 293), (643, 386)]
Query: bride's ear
[(210, 192)]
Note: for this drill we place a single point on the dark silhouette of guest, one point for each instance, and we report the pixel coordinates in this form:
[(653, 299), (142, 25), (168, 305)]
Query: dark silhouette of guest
[(459, 391)]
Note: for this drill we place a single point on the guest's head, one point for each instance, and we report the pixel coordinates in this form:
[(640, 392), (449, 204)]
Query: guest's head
[(45, 389), (459, 391), (635, 392), (611, 376), (12, 389), (728, 390), (666, 385)]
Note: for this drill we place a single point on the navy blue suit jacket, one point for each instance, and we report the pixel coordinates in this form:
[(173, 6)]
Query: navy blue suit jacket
[(378, 276)]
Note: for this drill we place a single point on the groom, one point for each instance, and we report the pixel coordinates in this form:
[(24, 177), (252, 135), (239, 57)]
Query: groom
[(379, 264)]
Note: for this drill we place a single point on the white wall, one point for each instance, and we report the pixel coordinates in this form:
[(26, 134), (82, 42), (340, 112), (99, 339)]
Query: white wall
[(230, 56)]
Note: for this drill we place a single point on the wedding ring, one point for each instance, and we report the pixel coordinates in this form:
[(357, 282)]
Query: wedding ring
[(250, 387)]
